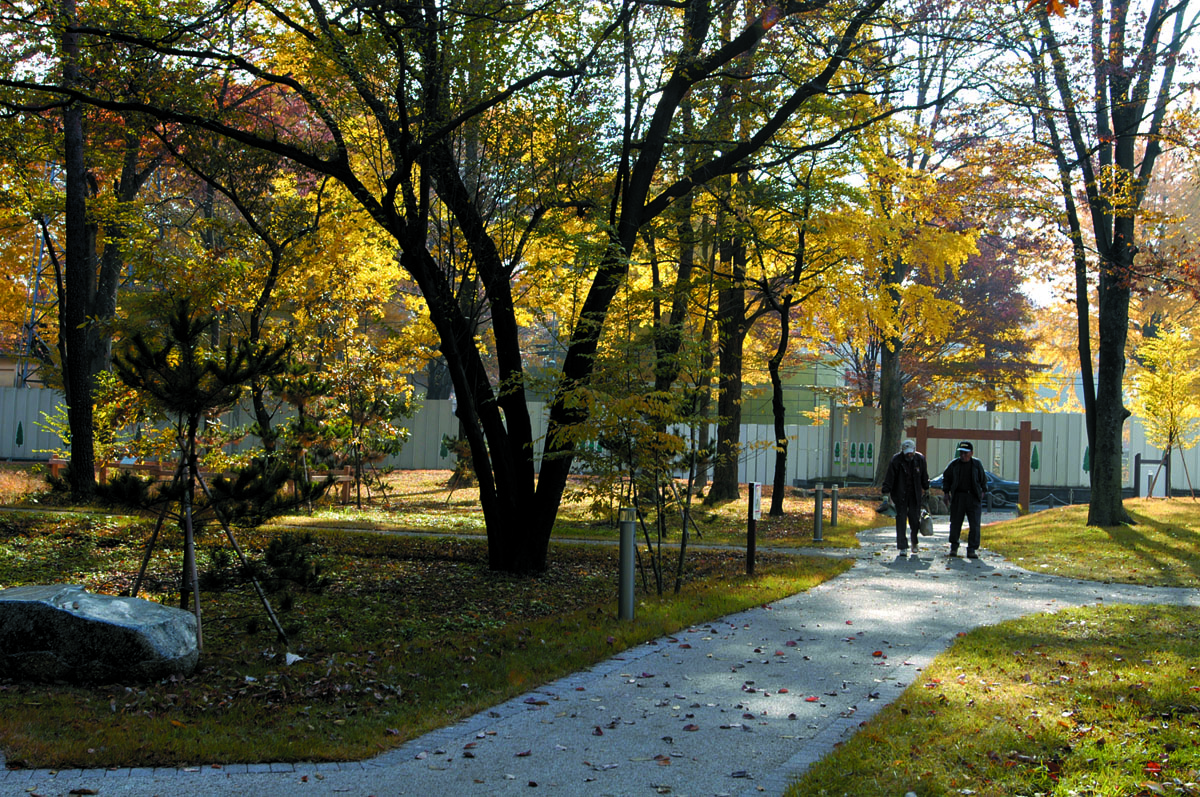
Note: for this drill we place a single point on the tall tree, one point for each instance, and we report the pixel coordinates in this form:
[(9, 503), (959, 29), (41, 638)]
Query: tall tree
[(917, 181), (1102, 82), (988, 356), (107, 158)]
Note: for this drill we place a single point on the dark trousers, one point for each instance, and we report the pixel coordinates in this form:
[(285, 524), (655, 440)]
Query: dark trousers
[(910, 515), (965, 505)]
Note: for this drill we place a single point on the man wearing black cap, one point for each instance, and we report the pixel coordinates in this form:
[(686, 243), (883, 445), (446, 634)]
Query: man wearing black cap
[(965, 485), (907, 480)]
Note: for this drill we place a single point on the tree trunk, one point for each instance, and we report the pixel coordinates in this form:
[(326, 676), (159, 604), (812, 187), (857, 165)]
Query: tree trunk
[(668, 332), (704, 405), (779, 484), (891, 405), (731, 324), (1106, 507), (79, 278), (1118, 140), (437, 380)]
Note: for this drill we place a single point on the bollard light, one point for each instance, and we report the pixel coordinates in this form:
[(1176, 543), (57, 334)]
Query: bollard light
[(818, 511), (626, 517), (753, 513)]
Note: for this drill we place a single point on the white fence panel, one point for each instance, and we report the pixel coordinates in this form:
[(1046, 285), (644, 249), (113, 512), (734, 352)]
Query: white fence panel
[(846, 447), (21, 409), (423, 451)]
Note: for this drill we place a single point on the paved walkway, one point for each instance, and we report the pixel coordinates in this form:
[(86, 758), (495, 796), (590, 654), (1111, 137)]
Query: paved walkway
[(738, 706)]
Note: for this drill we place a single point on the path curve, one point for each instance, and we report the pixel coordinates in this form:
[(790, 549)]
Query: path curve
[(738, 706)]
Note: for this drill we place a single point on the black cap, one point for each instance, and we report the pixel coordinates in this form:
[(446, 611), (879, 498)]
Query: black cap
[(965, 445)]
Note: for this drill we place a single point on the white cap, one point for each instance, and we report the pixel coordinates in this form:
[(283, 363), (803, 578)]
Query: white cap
[(907, 446)]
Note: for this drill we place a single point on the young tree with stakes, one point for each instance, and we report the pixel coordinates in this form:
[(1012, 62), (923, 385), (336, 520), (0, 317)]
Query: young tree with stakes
[(189, 381)]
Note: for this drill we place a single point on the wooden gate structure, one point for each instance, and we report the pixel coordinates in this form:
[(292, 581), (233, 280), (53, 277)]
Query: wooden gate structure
[(1025, 434)]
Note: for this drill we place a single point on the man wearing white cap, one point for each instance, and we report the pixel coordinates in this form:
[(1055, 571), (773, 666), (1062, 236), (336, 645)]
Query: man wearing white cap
[(965, 485), (907, 480)]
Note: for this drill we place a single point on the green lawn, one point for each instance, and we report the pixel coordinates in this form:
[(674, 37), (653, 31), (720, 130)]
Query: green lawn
[(417, 501), (1162, 547)]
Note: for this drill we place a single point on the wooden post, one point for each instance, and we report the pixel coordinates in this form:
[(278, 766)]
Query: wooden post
[(1025, 454), (922, 435)]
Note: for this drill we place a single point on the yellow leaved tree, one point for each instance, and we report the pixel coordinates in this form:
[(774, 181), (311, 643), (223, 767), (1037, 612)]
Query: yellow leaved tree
[(1167, 392)]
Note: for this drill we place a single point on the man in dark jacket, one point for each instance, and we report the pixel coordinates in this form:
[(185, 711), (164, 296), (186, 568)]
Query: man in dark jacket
[(965, 485), (907, 480)]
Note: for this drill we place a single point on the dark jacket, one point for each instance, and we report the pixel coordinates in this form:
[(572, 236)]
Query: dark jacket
[(965, 477), (906, 480)]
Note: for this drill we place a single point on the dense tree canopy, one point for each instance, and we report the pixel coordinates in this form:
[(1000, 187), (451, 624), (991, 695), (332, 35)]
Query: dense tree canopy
[(482, 186)]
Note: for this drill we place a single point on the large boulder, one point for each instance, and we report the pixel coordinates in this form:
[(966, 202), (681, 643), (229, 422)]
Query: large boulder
[(59, 632)]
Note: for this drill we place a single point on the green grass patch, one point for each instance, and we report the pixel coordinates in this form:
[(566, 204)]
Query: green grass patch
[(1161, 548), (412, 633), (1085, 702)]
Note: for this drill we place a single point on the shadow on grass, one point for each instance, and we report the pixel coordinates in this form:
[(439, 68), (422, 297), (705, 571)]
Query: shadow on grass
[(1161, 549), (1164, 548)]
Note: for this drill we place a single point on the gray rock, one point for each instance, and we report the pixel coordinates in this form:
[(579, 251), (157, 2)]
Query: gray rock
[(59, 632)]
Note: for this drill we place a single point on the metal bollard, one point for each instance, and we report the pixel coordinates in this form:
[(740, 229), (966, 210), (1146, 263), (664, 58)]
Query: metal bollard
[(818, 511), (753, 513), (626, 516), (833, 491)]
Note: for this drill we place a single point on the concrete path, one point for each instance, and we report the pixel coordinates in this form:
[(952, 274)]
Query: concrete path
[(738, 706)]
